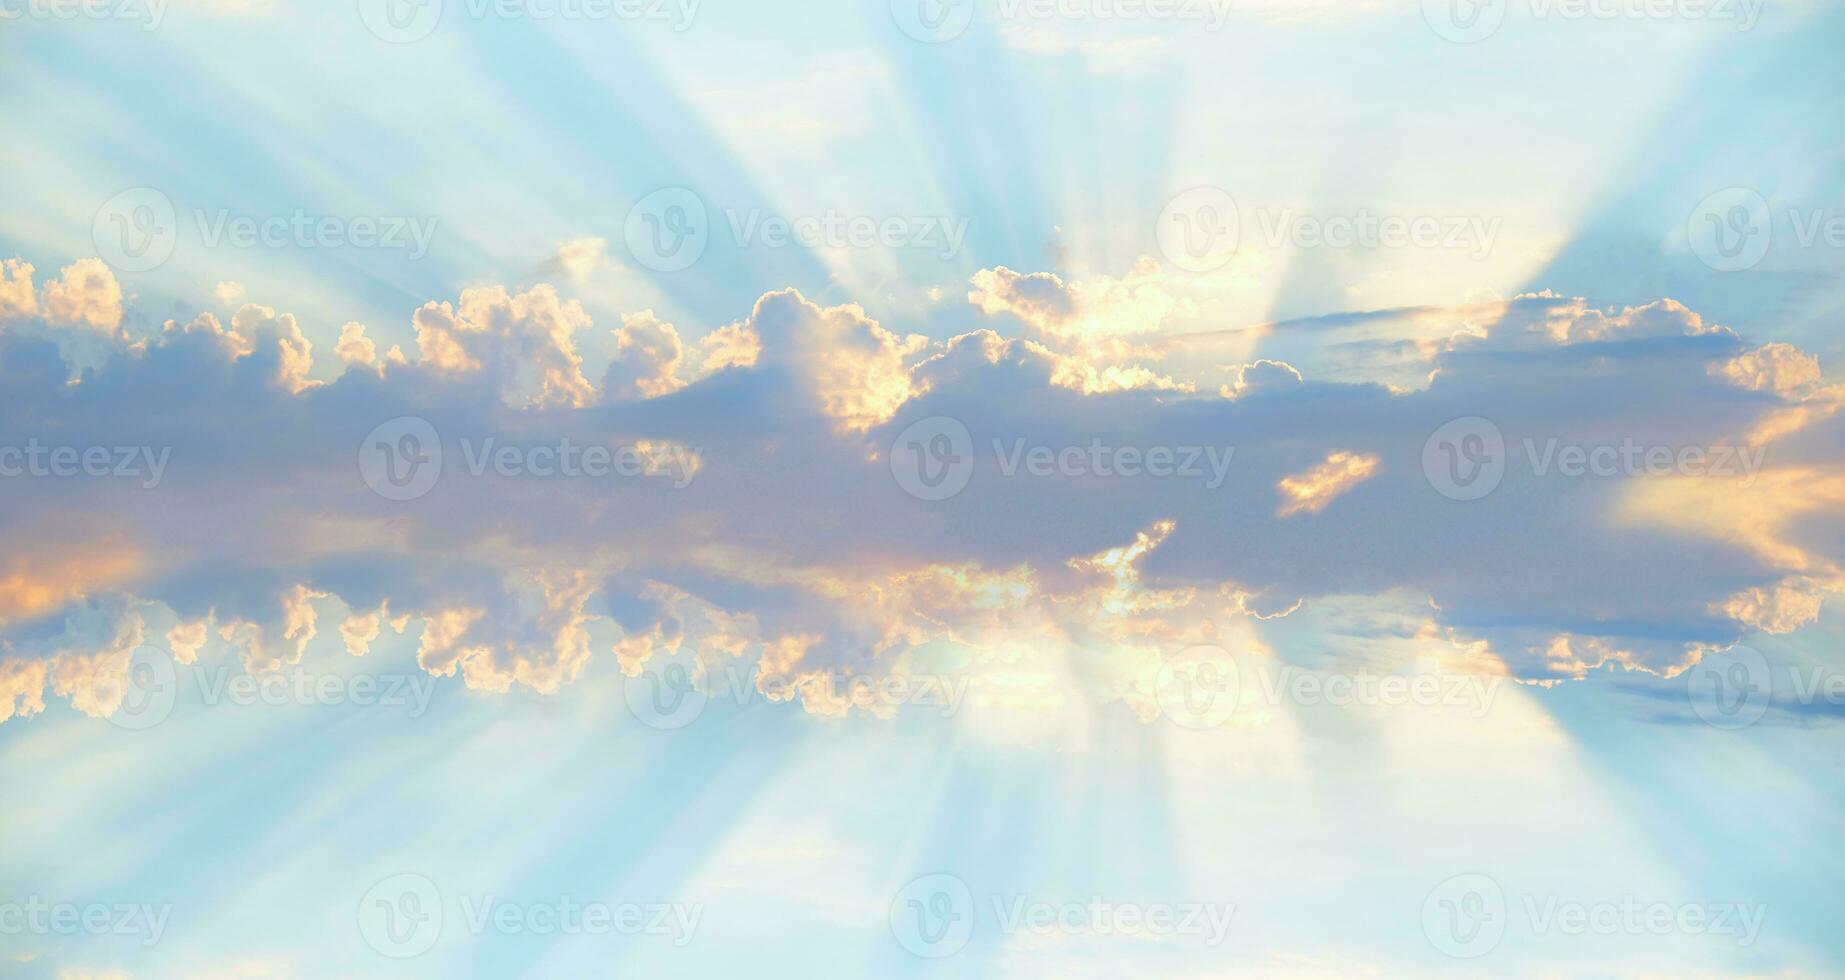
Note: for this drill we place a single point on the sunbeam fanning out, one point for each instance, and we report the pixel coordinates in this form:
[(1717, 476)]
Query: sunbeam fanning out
[(921, 488)]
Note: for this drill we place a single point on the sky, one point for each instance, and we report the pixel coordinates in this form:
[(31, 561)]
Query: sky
[(921, 488)]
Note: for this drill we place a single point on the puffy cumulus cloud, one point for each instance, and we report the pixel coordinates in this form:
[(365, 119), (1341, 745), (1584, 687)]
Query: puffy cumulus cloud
[(261, 328), (439, 651), (1040, 299), (525, 342), (1783, 608), (1310, 492), (1575, 322), (647, 356), (84, 294), (358, 630), (1088, 311), (22, 688), (730, 346), (353, 347), (17, 299), (1260, 375), (230, 293), (265, 341), (544, 643), (90, 663), (1780, 368), (579, 258), (268, 647), (185, 640), (1113, 333), (794, 551), (857, 370)]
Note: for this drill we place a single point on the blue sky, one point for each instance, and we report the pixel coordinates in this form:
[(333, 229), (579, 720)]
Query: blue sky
[(1288, 488)]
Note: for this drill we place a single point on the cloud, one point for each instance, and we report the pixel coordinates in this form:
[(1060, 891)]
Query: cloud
[(1313, 490), (525, 341), (17, 299), (579, 258), (84, 294), (647, 359), (792, 548)]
